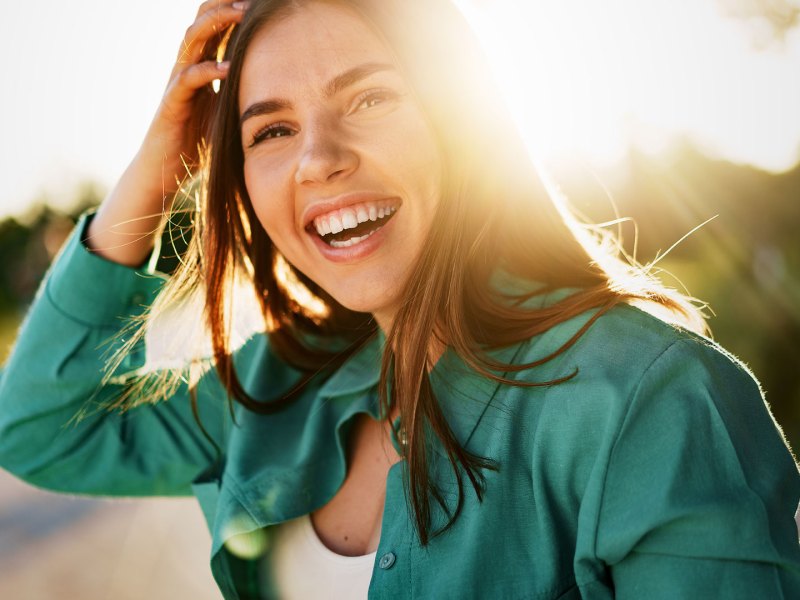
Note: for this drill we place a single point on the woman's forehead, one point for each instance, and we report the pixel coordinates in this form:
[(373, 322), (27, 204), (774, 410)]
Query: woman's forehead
[(307, 48)]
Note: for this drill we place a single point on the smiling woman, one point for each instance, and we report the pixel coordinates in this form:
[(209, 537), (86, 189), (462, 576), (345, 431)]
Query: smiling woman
[(324, 163), (458, 392)]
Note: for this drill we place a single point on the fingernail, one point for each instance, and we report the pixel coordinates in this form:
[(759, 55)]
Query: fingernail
[(240, 5), (224, 65)]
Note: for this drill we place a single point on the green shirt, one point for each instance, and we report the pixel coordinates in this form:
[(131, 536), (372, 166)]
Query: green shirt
[(656, 472)]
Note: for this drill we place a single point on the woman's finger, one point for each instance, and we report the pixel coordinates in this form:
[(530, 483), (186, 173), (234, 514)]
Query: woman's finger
[(209, 5), (192, 78), (205, 27)]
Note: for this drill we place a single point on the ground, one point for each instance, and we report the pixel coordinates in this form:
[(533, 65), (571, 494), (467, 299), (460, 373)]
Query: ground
[(56, 546)]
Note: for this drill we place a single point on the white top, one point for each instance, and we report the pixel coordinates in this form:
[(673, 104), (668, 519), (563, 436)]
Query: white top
[(303, 567)]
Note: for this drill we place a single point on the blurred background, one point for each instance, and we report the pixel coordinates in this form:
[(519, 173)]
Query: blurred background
[(666, 112)]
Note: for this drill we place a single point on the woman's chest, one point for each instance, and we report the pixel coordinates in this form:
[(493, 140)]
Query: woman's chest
[(518, 540), (350, 524)]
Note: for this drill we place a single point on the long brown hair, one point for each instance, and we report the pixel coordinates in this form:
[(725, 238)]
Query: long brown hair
[(494, 214)]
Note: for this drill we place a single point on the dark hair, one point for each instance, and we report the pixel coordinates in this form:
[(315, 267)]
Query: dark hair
[(494, 214)]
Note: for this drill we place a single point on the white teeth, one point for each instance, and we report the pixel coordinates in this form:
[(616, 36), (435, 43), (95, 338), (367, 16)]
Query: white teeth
[(321, 225), (351, 241), (349, 220)]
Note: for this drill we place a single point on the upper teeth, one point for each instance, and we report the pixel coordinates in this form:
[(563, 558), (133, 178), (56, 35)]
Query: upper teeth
[(349, 218)]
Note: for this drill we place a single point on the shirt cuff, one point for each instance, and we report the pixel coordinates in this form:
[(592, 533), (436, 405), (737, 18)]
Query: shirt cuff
[(91, 289)]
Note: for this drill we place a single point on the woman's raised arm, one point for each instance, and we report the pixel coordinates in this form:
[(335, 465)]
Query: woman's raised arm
[(55, 430), (124, 229), (57, 369)]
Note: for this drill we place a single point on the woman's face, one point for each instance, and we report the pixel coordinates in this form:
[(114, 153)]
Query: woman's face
[(340, 164)]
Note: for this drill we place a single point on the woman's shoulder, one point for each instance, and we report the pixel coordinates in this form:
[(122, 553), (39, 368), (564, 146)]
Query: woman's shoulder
[(634, 375), (626, 342), (627, 336), (655, 415)]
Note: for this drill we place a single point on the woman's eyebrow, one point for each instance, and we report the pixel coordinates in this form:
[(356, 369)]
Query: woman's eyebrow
[(263, 108), (333, 87), (353, 76)]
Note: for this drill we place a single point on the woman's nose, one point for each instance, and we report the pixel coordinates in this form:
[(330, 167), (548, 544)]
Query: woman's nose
[(326, 156)]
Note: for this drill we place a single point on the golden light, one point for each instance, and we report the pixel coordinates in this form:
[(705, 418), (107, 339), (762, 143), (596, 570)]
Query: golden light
[(587, 79), (311, 304)]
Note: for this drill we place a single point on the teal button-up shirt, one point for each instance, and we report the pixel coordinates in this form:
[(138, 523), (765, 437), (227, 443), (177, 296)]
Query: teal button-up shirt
[(656, 472)]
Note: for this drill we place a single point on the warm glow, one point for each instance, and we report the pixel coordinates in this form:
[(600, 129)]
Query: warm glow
[(587, 79), (312, 305), (583, 76)]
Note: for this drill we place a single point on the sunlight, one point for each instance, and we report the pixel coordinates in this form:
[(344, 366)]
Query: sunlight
[(313, 306), (536, 66), (587, 79)]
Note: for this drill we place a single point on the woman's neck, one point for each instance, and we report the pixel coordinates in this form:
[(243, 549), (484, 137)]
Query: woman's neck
[(436, 346)]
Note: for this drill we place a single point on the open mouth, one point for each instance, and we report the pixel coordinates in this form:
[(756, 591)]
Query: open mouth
[(352, 225)]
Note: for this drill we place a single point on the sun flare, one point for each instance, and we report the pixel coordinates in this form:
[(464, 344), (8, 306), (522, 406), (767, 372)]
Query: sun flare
[(587, 80)]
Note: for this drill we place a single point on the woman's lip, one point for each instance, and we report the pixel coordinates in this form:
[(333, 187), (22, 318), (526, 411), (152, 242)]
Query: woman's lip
[(354, 253), (321, 207)]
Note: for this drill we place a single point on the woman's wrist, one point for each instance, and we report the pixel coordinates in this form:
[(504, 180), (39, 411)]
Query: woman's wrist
[(126, 223)]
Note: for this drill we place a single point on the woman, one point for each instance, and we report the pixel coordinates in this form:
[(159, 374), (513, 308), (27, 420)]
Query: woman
[(454, 399)]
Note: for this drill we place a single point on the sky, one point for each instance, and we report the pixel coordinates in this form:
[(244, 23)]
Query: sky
[(585, 80)]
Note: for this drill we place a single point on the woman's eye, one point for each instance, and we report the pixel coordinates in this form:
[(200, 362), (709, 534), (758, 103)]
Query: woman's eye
[(373, 98), (276, 130)]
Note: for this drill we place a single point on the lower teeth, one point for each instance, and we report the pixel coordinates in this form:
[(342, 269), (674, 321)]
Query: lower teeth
[(352, 241)]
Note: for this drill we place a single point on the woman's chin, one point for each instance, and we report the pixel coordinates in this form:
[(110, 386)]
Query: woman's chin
[(381, 307)]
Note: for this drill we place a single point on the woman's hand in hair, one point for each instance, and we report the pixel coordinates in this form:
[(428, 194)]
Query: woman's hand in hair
[(124, 228), (171, 141)]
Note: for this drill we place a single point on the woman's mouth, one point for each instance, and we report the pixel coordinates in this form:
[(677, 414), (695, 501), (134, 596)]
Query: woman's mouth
[(346, 227)]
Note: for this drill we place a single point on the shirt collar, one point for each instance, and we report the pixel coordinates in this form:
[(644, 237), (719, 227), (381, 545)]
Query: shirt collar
[(360, 372)]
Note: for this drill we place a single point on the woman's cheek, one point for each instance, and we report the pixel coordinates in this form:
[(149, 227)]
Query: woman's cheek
[(262, 192)]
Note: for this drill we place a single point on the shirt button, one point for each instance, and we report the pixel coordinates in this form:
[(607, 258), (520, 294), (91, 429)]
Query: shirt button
[(387, 560)]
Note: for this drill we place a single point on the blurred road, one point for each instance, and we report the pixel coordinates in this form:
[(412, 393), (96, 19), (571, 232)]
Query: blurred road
[(58, 547)]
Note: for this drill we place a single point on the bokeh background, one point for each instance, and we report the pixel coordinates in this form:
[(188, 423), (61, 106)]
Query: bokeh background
[(669, 113)]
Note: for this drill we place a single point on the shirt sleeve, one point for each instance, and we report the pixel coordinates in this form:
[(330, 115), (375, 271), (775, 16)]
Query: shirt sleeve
[(701, 490), (56, 370)]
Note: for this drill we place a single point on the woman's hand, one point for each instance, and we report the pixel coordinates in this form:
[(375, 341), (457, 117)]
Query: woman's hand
[(124, 228), (171, 141)]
